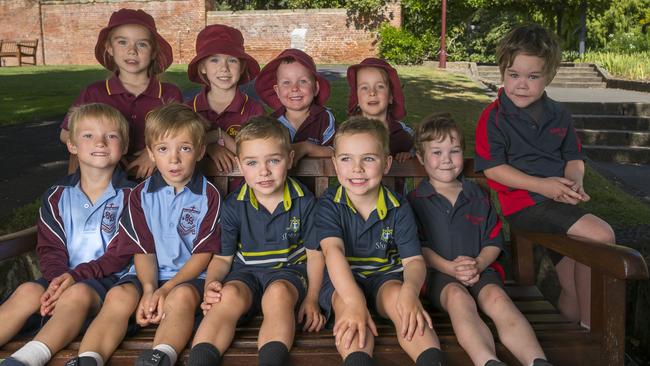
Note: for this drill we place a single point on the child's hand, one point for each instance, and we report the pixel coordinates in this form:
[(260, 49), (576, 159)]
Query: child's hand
[(412, 314), (223, 158), (150, 309), (300, 150), (555, 187), (403, 156), (211, 295), (465, 268), (310, 316), (354, 318), (57, 286), (143, 164)]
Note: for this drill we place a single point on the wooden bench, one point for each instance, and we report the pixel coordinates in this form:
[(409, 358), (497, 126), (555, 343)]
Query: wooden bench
[(565, 343), (20, 50)]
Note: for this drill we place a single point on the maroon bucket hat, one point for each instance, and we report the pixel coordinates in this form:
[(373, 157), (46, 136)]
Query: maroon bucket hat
[(165, 55), (397, 109), (219, 38), (267, 78)]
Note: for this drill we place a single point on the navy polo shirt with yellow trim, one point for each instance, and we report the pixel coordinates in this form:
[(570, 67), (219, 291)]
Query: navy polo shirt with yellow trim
[(257, 237), (465, 228), (375, 246)]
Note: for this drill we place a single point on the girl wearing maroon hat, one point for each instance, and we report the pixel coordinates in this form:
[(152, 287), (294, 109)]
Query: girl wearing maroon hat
[(131, 48), (376, 92), (222, 65)]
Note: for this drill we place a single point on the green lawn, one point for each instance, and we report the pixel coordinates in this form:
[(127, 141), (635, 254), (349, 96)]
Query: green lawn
[(37, 93)]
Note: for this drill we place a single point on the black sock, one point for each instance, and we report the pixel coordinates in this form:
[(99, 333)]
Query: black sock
[(495, 363), (274, 354), (541, 362), (359, 359), (431, 356), (153, 357), (204, 354)]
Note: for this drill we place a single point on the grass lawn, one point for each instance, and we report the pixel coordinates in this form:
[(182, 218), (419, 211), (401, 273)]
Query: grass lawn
[(38, 93)]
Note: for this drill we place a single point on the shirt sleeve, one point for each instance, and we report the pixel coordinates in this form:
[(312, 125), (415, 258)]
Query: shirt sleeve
[(490, 142), (328, 220), (134, 233), (51, 241), (406, 233), (330, 131), (230, 228), (209, 238), (571, 146), (492, 234), (422, 234), (308, 231)]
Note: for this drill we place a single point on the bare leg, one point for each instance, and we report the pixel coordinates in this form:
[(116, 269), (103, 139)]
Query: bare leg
[(175, 329), (338, 305), (279, 324), (25, 301)]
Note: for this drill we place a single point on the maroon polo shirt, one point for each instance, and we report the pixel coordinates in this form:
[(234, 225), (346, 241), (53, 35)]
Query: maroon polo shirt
[(401, 136), (239, 111), (135, 109), (319, 127)]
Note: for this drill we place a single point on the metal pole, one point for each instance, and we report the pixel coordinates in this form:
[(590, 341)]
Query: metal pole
[(442, 59)]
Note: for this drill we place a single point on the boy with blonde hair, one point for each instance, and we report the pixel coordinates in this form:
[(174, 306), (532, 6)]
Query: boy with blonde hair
[(266, 225), (171, 227), (369, 238), (528, 148), (76, 246), (463, 238)]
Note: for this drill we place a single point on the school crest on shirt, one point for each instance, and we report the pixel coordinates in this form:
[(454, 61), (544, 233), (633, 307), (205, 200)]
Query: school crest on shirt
[(385, 238), (109, 218), (232, 130), (187, 223), (293, 229)]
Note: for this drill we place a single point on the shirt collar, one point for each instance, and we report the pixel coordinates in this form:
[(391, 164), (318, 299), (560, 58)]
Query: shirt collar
[(386, 201), (314, 110), (508, 107), (292, 190), (119, 179), (238, 104), (393, 125), (426, 190), (157, 182), (114, 86)]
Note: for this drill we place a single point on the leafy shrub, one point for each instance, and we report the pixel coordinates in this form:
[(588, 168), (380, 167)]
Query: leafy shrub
[(628, 66), (399, 46)]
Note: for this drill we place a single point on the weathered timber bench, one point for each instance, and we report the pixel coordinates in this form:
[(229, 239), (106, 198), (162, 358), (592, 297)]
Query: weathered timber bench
[(19, 50), (565, 343)]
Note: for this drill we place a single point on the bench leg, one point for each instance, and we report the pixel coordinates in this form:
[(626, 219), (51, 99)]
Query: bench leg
[(608, 317), (522, 253)]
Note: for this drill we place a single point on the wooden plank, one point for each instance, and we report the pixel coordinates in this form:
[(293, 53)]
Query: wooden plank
[(15, 244)]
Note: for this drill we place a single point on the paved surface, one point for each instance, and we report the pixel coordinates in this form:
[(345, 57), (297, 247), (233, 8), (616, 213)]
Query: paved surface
[(597, 95)]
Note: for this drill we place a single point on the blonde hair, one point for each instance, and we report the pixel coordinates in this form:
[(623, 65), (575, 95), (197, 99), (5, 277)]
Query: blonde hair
[(532, 40), (99, 112), (172, 119), (357, 125), (154, 69), (263, 127), (437, 127)]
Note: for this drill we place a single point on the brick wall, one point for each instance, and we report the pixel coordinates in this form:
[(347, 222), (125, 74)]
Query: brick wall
[(19, 19)]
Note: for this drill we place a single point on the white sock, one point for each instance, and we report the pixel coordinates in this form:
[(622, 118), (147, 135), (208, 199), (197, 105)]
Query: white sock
[(98, 358), (33, 353), (169, 351)]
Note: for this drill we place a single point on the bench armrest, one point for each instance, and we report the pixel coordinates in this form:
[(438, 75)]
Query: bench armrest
[(15, 244), (615, 260)]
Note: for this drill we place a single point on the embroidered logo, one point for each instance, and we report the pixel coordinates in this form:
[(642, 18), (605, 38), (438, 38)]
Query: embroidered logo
[(232, 130), (385, 239), (294, 224), (109, 218), (187, 223), (558, 131), (475, 220)]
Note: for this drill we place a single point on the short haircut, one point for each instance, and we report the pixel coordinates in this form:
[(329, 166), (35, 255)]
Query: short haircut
[(437, 127), (263, 127), (100, 112), (172, 119), (358, 125), (289, 61), (532, 40)]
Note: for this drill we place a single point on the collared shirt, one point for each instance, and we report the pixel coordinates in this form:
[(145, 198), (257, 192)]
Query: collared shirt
[(319, 127), (112, 92), (506, 134), (172, 225), (401, 136), (257, 237), (239, 111), (465, 228), (73, 233), (375, 246)]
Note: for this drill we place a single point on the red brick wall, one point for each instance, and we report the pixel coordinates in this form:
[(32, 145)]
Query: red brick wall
[(19, 20)]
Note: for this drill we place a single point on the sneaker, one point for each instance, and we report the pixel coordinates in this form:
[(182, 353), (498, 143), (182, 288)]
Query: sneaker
[(153, 357), (81, 361), (10, 361)]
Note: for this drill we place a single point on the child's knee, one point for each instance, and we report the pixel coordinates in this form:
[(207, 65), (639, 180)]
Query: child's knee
[(234, 297), (121, 299), (455, 295), (29, 290), (79, 296), (182, 297), (494, 299), (278, 293), (594, 228)]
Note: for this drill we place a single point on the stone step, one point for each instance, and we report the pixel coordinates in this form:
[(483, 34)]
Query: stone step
[(609, 109), (618, 154), (562, 79), (611, 122), (614, 138), (560, 84), (488, 70)]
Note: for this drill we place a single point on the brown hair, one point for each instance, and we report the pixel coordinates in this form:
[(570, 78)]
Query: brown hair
[(263, 127), (533, 40), (99, 112), (384, 75), (154, 68), (172, 119), (437, 127), (358, 125), (204, 78)]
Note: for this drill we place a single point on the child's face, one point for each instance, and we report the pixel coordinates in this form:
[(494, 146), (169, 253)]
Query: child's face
[(525, 80), (175, 157), (131, 47), (97, 143), (296, 87), (360, 163), (443, 160), (222, 71), (264, 164), (373, 93)]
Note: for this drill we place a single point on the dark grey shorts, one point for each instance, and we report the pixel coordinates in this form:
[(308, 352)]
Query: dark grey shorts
[(438, 281)]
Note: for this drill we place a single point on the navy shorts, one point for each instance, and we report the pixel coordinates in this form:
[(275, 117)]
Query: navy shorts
[(35, 322), (369, 285), (547, 217), (258, 279), (437, 281)]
